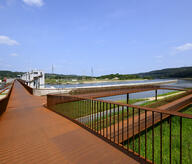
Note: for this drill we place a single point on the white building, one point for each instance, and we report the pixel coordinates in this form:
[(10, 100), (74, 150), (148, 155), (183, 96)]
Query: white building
[(34, 79)]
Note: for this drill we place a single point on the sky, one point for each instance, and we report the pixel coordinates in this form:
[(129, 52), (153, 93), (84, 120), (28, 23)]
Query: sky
[(108, 36)]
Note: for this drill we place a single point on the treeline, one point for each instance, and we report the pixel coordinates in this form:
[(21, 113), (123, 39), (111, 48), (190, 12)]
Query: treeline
[(119, 76), (9, 74), (182, 72), (67, 77)]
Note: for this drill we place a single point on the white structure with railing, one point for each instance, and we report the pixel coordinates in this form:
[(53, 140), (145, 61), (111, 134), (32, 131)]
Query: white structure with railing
[(34, 79)]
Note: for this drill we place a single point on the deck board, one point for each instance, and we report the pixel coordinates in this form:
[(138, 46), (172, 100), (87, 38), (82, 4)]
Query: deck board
[(30, 133)]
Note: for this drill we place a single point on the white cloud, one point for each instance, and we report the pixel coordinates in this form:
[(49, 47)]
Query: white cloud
[(7, 41), (37, 3), (9, 65), (184, 47), (14, 54), (159, 56)]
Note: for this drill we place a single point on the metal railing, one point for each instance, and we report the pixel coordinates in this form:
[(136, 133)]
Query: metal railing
[(28, 88), (149, 135), (4, 101)]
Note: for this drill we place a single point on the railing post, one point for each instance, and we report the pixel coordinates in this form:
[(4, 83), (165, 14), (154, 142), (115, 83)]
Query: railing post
[(133, 114), (156, 95), (122, 124), (103, 119), (145, 135), (114, 121), (110, 120), (170, 144), (127, 98), (180, 140), (153, 137), (118, 125), (139, 126), (107, 120), (100, 117), (161, 138), (127, 128)]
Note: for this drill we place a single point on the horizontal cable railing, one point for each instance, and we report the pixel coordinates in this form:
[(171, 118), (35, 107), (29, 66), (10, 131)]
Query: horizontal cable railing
[(149, 134)]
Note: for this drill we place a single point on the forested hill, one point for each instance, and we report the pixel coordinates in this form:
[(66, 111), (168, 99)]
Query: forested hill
[(9, 74), (182, 72)]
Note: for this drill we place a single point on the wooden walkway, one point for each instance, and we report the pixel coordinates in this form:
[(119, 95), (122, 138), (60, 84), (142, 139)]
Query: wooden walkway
[(31, 134)]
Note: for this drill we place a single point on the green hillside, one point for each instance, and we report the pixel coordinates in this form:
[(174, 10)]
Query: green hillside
[(182, 72), (9, 74)]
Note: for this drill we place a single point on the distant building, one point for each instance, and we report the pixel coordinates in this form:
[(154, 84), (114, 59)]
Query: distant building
[(34, 79)]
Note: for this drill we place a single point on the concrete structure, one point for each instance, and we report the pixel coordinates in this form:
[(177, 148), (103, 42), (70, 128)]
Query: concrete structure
[(34, 79), (45, 91), (88, 89)]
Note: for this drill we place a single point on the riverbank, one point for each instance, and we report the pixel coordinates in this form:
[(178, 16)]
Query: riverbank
[(150, 100), (54, 82), (97, 87)]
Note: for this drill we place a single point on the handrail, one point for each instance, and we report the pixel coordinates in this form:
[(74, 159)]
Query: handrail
[(4, 101), (134, 106), (121, 124), (28, 88)]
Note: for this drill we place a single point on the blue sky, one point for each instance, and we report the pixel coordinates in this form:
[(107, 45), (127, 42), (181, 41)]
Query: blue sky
[(112, 36)]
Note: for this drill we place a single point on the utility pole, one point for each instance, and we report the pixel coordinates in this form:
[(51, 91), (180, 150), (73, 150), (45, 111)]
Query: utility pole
[(92, 73), (52, 69)]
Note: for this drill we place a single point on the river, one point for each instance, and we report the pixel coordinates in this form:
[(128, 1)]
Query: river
[(180, 83)]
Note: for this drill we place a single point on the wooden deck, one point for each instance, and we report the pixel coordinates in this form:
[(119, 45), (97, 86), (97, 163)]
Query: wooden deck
[(31, 134)]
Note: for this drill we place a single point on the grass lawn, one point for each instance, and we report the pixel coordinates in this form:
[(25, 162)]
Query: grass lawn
[(84, 108), (186, 144), (71, 110), (131, 101), (154, 104), (168, 93)]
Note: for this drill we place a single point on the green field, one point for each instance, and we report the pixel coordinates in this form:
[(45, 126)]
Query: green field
[(83, 108), (160, 102), (168, 93), (131, 101)]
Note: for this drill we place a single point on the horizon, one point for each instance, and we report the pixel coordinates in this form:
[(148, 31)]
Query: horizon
[(125, 37), (103, 74)]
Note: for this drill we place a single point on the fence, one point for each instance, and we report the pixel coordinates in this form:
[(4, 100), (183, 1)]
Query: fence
[(149, 135), (29, 89), (4, 101)]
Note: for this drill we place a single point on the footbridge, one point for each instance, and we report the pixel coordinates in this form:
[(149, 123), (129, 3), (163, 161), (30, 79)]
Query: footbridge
[(38, 130), (30, 133)]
